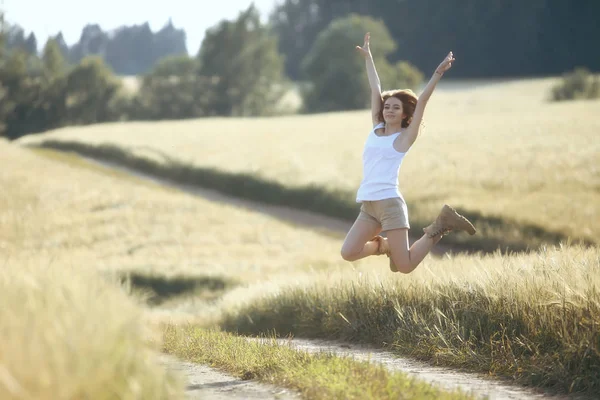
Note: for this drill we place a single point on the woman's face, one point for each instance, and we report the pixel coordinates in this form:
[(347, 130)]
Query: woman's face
[(393, 112)]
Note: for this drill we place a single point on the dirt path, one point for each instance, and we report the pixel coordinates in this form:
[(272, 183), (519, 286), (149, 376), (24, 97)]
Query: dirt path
[(478, 385), (206, 383)]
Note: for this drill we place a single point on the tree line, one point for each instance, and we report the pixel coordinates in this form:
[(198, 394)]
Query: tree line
[(238, 71), (491, 38), (129, 50), (244, 67)]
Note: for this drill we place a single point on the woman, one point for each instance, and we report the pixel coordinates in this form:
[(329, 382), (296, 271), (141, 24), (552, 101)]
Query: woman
[(397, 116)]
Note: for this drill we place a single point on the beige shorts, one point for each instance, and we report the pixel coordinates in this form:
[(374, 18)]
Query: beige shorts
[(389, 213)]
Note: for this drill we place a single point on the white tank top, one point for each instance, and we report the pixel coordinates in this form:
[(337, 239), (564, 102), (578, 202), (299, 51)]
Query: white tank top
[(381, 166)]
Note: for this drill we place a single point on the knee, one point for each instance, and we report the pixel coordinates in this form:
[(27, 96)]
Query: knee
[(404, 269), (348, 253), (403, 266)]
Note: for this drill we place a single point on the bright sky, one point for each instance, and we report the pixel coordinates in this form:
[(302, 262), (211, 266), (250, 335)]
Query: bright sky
[(48, 17)]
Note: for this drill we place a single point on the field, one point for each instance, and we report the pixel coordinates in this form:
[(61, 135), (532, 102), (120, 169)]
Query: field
[(84, 229), (68, 332), (524, 169), (497, 150)]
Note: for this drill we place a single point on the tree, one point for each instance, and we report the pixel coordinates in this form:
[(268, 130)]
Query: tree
[(53, 61), (297, 24), (337, 75), (90, 89), (173, 90), (242, 57), (5, 106), (31, 44), (53, 99), (22, 97)]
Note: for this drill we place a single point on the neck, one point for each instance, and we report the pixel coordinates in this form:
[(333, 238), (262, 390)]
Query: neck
[(392, 127)]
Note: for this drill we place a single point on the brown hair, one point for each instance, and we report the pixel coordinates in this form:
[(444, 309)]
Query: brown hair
[(409, 103)]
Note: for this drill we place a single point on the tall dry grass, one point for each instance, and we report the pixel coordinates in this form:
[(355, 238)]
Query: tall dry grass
[(60, 208), (69, 334), (499, 151), (66, 331), (534, 318)]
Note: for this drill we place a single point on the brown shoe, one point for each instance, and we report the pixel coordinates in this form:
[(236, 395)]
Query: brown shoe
[(384, 248), (449, 220)]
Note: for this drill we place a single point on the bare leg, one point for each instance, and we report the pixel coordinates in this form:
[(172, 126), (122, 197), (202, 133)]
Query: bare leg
[(405, 259), (421, 248), (357, 244)]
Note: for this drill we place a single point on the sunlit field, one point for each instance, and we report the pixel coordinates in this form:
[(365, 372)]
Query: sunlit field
[(72, 212), (71, 229), (494, 149), (532, 317), (67, 333)]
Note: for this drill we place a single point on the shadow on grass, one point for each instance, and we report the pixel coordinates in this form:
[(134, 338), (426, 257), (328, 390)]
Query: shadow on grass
[(157, 289), (493, 233)]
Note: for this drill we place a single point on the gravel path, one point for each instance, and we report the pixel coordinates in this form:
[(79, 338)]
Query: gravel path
[(203, 382), (477, 384)]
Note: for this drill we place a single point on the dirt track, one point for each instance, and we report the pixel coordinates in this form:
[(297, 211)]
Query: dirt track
[(478, 385), (206, 383)]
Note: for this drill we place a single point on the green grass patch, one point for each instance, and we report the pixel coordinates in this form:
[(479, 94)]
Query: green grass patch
[(315, 376), (493, 233)]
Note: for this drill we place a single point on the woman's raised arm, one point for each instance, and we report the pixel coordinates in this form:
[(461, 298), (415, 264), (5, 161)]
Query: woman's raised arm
[(373, 79), (413, 130)]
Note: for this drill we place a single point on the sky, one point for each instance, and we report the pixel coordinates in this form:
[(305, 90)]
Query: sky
[(48, 17)]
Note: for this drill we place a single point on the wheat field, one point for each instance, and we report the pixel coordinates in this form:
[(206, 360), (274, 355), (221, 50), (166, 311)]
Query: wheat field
[(81, 215), (538, 309), (495, 148), (71, 212), (67, 210)]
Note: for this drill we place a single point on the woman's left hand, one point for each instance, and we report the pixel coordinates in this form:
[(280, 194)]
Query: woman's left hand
[(446, 64)]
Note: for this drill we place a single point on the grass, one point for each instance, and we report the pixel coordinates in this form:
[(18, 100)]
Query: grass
[(87, 220), (67, 334), (129, 225), (189, 255), (460, 311), (531, 318), (494, 233), (500, 153), (321, 376)]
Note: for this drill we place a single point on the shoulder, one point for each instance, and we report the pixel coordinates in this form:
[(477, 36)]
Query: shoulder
[(380, 125)]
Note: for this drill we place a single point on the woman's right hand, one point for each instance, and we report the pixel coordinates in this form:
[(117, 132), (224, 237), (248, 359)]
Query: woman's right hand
[(365, 50)]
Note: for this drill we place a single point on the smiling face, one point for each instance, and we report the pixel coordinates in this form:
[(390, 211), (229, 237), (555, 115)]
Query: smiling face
[(393, 111)]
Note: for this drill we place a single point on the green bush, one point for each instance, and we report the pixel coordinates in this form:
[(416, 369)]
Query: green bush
[(576, 85)]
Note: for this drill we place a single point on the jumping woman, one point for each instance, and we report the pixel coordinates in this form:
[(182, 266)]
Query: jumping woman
[(397, 116)]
